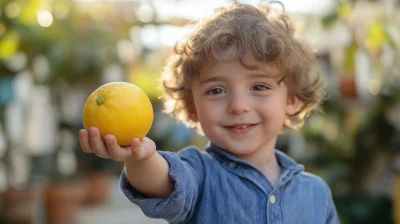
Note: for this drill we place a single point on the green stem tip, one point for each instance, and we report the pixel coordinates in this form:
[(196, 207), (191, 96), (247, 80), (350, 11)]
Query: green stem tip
[(100, 100)]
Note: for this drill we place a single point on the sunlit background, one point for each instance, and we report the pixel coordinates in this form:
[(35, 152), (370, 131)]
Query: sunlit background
[(54, 53)]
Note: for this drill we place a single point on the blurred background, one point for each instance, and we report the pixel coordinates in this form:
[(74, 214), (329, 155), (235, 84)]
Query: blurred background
[(54, 53)]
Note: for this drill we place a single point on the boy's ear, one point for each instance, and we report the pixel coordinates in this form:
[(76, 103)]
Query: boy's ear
[(293, 104), (193, 116)]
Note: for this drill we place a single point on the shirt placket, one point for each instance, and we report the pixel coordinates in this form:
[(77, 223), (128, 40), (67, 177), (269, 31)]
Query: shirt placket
[(274, 213)]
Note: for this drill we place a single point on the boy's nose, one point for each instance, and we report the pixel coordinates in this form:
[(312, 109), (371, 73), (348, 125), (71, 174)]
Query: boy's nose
[(238, 104)]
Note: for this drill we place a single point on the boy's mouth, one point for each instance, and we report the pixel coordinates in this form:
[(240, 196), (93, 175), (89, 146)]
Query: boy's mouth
[(241, 125), (240, 128)]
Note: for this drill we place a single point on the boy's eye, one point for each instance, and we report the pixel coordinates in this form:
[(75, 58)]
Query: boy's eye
[(259, 87), (215, 91)]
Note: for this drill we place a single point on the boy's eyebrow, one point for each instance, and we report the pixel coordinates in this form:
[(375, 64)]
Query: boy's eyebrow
[(264, 74), (261, 75), (212, 79)]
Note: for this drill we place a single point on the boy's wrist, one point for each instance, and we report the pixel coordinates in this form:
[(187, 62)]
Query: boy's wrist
[(141, 162)]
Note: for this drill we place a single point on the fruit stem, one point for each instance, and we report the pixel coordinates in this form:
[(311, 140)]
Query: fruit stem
[(100, 100)]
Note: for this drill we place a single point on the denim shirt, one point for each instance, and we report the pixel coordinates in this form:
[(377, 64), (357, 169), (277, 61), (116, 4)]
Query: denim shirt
[(214, 186)]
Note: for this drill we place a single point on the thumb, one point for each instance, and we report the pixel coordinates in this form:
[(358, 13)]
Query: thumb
[(142, 150)]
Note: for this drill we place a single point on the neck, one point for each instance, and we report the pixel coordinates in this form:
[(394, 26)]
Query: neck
[(265, 160)]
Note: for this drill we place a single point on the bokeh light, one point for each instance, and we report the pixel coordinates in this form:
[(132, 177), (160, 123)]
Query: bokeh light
[(374, 87), (60, 11), (44, 18), (145, 13), (12, 10)]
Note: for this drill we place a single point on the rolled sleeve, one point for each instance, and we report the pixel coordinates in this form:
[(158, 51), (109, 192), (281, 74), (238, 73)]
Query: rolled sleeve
[(178, 206)]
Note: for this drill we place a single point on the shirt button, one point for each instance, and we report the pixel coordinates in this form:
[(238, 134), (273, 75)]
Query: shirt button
[(232, 164), (272, 199)]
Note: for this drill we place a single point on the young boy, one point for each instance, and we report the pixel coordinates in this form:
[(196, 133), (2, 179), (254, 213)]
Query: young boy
[(241, 78)]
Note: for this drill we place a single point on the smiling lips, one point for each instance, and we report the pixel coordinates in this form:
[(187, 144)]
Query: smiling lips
[(240, 128)]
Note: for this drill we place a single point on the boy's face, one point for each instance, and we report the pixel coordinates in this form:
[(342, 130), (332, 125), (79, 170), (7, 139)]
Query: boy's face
[(241, 110)]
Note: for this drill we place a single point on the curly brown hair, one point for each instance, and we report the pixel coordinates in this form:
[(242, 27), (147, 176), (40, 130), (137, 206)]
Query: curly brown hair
[(264, 32)]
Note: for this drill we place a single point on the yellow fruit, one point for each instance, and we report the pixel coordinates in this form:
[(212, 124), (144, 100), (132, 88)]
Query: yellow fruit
[(121, 109)]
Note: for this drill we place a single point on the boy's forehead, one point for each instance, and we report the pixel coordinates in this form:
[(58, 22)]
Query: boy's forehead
[(248, 61)]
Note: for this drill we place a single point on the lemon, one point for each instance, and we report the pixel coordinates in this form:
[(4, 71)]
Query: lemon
[(121, 109)]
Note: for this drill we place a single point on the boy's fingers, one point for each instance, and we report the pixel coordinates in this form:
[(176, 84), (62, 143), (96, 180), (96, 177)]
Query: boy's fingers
[(96, 144), (141, 150), (116, 152), (148, 144), (84, 141), (137, 151)]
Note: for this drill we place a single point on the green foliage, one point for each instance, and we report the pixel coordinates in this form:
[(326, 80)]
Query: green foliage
[(76, 46)]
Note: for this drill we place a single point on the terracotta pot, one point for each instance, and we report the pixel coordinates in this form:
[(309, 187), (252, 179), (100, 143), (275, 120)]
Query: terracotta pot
[(347, 86), (19, 206), (63, 200), (99, 188)]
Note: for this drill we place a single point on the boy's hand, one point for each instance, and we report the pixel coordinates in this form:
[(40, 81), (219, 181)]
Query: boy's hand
[(108, 148)]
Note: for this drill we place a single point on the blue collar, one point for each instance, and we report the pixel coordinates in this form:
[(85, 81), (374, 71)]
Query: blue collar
[(284, 160)]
